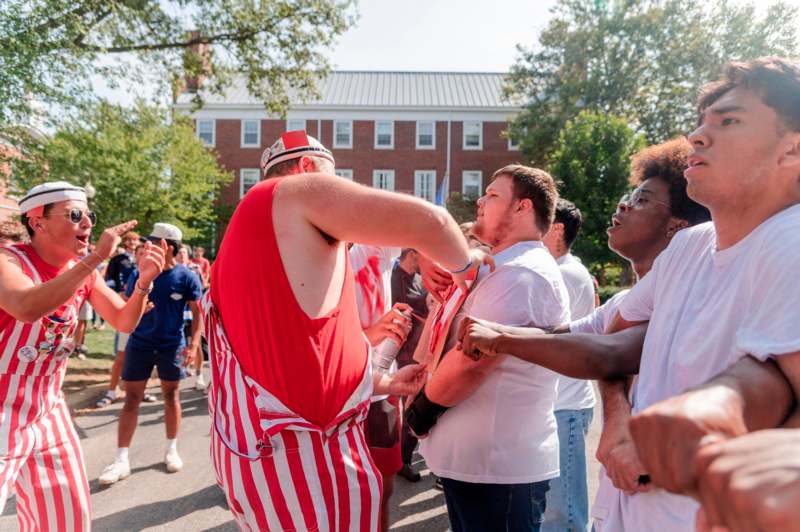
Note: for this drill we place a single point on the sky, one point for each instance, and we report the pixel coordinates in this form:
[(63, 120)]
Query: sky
[(426, 35)]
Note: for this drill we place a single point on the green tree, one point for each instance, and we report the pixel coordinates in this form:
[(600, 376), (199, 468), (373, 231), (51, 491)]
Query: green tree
[(591, 161), (144, 164), (49, 49), (640, 59), (461, 208)]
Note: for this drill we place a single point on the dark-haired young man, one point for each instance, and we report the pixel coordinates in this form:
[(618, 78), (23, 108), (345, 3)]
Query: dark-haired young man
[(721, 298), (568, 497), (495, 446)]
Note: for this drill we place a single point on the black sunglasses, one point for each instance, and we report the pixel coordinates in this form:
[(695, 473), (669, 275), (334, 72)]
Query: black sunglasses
[(76, 215)]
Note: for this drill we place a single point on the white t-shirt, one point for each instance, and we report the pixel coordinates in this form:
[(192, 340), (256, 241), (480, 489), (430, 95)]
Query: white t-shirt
[(576, 394), (600, 319), (505, 432), (707, 309), (598, 322)]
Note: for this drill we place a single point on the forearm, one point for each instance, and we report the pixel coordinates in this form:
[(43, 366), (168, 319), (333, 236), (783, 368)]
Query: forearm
[(755, 395), (458, 376), (581, 356), (614, 397), (197, 329), (127, 317), (37, 301)]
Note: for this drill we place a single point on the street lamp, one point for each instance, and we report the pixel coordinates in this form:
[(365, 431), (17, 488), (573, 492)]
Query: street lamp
[(90, 190)]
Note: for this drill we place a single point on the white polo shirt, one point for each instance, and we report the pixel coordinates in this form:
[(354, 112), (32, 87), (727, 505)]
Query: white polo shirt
[(576, 394), (505, 432), (707, 309)]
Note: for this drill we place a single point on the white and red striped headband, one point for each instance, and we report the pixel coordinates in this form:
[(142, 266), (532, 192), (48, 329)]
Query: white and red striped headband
[(293, 145)]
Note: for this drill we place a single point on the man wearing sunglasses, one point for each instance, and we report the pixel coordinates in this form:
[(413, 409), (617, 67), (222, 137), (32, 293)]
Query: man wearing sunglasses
[(42, 286)]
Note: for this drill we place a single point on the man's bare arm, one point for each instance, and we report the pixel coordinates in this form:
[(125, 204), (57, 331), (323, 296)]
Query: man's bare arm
[(457, 377), (579, 355), (748, 396), (351, 212)]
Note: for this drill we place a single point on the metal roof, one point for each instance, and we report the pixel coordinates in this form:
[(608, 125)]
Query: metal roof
[(380, 90)]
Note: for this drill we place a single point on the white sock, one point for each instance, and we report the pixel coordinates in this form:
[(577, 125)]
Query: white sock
[(172, 445), (122, 454)]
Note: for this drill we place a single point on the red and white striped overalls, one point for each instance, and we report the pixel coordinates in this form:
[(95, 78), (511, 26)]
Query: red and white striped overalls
[(278, 470), (39, 451)]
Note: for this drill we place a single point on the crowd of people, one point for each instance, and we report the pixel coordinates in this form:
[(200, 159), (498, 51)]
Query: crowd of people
[(347, 327)]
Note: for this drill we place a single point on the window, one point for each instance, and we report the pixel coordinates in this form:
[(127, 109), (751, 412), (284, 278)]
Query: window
[(513, 141), (471, 185), (383, 179), (426, 135), (247, 178), (473, 135), (205, 131), (342, 133), (425, 184), (251, 134), (295, 124), (384, 134), (345, 173)]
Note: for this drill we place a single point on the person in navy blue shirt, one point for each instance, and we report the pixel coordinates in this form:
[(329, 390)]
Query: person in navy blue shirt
[(158, 341)]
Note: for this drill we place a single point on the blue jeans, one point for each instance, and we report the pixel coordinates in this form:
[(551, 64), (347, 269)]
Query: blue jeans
[(568, 498), (494, 507)]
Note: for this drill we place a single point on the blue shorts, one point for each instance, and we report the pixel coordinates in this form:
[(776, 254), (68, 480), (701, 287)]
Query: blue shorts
[(139, 364)]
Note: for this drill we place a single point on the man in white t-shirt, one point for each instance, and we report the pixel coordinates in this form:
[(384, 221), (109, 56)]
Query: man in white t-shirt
[(568, 497), (497, 448), (721, 298)]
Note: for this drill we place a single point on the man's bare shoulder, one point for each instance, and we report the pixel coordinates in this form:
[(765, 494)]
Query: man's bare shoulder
[(9, 258)]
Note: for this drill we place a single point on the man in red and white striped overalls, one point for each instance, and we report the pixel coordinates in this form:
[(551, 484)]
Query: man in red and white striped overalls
[(42, 286), (290, 364)]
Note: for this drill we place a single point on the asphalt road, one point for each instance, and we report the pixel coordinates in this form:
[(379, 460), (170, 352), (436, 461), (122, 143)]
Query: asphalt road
[(152, 499)]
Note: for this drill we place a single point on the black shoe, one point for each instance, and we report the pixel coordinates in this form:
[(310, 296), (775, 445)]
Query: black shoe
[(438, 484), (409, 474)]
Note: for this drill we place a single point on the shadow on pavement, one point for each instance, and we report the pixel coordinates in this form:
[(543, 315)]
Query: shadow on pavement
[(163, 512)]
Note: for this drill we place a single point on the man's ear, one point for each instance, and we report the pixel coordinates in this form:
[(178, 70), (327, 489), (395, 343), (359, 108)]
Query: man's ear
[(790, 156), (675, 225)]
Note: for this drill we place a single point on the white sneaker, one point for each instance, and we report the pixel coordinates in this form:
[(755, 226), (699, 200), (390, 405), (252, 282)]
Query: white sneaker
[(201, 383), (173, 461), (119, 470)]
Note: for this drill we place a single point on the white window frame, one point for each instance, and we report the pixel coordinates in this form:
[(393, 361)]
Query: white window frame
[(376, 175), (464, 175), (252, 172), (433, 135), (390, 146), (336, 144), (213, 131), (418, 174), (464, 135), (298, 121), (512, 145), (346, 173), (256, 144)]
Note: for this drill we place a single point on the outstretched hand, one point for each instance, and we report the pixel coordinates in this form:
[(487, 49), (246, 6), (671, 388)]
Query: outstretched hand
[(478, 337), (111, 237), (151, 261)]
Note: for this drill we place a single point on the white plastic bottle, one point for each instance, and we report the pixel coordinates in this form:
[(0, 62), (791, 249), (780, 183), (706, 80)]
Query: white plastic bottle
[(385, 352)]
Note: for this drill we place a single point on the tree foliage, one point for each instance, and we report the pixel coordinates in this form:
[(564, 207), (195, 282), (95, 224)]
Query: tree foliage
[(639, 59), (49, 49), (592, 162), (143, 163)]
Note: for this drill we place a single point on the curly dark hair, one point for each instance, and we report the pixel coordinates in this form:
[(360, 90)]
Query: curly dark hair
[(776, 81), (666, 162)]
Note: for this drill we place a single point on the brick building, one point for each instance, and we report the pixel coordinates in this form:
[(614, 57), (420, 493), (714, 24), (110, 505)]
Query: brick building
[(402, 131)]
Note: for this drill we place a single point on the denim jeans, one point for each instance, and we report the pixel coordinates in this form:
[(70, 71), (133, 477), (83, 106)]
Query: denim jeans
[(494, 507), (568, 498)]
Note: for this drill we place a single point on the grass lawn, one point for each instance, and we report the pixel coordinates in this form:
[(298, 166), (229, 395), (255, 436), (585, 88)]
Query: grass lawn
[(96, 367)]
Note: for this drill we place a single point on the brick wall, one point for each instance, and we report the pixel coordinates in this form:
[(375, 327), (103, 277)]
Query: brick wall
[(363, 158)]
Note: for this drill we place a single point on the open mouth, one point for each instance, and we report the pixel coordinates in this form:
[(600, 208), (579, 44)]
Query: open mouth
[(696, 161), (83, 239)]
